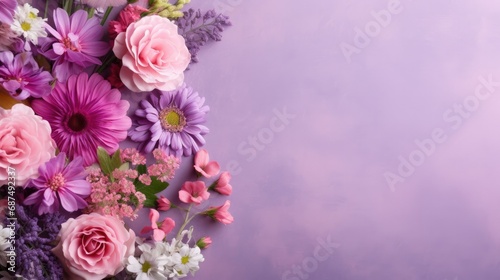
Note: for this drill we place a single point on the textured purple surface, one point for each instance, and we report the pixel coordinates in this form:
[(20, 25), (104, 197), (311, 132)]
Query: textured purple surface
[(319, 175)]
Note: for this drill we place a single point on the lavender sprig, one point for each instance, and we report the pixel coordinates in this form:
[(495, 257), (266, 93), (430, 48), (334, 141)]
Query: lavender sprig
[(198, 29), (35, 235)]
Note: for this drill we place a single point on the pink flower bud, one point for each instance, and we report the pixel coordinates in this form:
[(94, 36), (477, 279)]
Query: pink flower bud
[(220, 213), (163, 203), (222, 185), (204, 242)]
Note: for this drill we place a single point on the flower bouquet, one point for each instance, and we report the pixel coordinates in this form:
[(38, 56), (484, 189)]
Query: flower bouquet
[(77, 165)]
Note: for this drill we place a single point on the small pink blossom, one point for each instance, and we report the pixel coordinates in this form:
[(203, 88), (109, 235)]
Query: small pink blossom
[(133, 156), (220, 213), (222, 185), (193, 192), (164, 228), (127, 16), (145, 179), (163, 203), (204, 166)]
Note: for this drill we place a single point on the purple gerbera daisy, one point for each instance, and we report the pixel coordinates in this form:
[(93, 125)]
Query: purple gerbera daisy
[(21, 76), (85, 113), (7, 8), (171, 121), (60, 183), (76, 43)]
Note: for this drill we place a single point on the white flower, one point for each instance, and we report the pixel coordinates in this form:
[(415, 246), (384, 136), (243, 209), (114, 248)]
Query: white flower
[(187, 260), (151, 263), (5, 233), (28, 24)]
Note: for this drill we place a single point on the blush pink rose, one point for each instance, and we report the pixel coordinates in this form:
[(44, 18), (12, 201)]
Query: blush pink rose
[(94, 246), (25, 143), (153, 54)]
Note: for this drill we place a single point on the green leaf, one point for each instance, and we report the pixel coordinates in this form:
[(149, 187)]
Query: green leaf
[(116, 161), (142, 169), (150, 191), (150, 201), (104, 160)]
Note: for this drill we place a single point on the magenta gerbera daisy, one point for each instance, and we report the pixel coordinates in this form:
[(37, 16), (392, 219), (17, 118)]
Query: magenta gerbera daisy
[(60, 184), (85, 113), (172, 121), (76, 43)]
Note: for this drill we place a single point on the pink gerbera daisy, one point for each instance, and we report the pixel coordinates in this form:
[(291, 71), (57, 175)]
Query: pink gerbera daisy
[(85, 113)]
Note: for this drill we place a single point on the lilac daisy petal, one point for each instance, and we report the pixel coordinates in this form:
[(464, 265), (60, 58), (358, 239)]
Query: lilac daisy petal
[(171, 121), (85, 113), (7, 8)]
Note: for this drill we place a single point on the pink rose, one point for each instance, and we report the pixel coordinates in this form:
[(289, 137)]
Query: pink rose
[(94, 246), (153, 54), (25, 143)]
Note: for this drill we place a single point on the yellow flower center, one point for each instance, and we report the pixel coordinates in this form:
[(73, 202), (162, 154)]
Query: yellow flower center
[(145, 267), (32, 15), (26, 26), (56, 182), (185, 259), (172, 119)]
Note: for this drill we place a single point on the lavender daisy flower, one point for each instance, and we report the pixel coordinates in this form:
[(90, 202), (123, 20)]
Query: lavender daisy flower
[(7, 8), (85, 113), (171, 121), (75, 44), (60, 183), (21, 76)]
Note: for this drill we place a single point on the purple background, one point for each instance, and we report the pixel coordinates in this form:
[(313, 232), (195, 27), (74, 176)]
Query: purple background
[(320, 174)]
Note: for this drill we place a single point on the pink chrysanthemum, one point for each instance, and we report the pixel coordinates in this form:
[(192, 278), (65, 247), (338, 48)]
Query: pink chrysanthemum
[(85, 113), (76, 43), (60, 184)]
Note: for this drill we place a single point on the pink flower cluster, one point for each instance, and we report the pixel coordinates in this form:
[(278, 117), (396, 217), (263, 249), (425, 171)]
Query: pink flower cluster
[(115, 196), (165, 166)]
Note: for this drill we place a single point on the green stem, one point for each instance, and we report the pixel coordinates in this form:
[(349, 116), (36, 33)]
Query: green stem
[(187, 219), (106, 15), (68, 6), (46, 9)]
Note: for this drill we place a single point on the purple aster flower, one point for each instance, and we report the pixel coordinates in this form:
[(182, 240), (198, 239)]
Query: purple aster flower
[(75, 44), (21, 76), (60, 183), (7, 8), (171, 121), (85, 113)]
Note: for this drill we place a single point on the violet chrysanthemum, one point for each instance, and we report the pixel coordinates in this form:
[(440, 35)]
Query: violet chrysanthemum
[(76, 43), (21, 76), (60, 184), (172, 121), (85, 113), (7, 8)]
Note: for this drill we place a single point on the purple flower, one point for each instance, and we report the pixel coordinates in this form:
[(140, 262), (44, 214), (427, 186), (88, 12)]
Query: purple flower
[(34, 238), (21, 76), (85, 113), (60, 183), (199, 29), (171, 121), (7, 8), (75, 44)]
